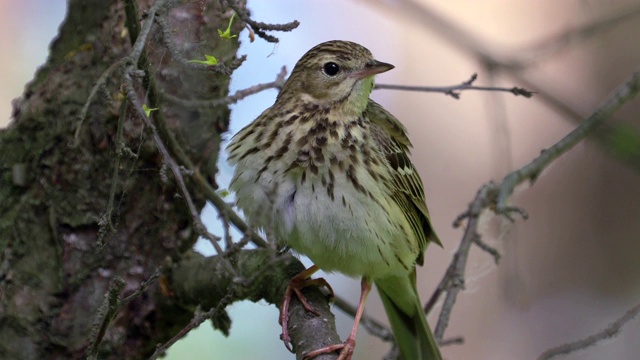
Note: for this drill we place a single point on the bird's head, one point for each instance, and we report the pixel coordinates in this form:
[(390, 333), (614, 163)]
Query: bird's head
[(337, 74)]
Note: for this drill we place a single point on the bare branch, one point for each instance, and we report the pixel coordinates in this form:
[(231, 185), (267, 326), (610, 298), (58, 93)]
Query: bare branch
[(453, 280), (100, 83), (105, 313), (200, 280), (494, 196), (260, 28), (106, 220), (624, 93), (231, 99), (568, 113), (454, 90), (198, 318), (458, 340), (110, 307), (221, 205), (610, 331)]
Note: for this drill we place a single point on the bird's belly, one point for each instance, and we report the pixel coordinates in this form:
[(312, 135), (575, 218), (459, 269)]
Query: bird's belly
[(357, 232), (354, 232)]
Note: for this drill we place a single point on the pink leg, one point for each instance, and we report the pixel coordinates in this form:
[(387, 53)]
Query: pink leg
[(295, 286), (346, 349)]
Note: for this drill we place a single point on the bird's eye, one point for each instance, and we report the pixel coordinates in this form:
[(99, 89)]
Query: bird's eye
[(331, 68)]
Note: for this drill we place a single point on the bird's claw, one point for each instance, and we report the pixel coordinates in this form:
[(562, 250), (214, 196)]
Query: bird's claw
[(346, 350), (295, 286)]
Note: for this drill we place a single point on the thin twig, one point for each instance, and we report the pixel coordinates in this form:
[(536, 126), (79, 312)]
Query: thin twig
[(610, 331), (204, 186), (468, 42), (259, 27), (105, 313), (458, 340), (231, 99), (454, 90), (106, 220), (198, 318), (568, 113), (221, 205), (110, 307), (453, 280), (142, 288), (100, 83)]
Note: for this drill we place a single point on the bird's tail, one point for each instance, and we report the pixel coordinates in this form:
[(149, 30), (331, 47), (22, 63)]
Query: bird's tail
[(402, 304)]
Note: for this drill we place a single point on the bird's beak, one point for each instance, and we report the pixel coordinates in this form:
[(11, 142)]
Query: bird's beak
[(372, 68)]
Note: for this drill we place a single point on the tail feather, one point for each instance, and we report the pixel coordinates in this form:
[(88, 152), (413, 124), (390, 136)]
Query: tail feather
[(402, 304)]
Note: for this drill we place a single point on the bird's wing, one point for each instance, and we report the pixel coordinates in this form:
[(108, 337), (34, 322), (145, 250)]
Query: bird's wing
[(408, 189)]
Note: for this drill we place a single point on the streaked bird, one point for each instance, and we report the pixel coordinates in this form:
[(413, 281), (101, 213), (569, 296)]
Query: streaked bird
[(326, 169)]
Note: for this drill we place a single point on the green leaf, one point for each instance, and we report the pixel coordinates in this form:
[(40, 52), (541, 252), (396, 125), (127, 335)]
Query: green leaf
[(223, 193), (211, 60), (148, 110), (227, 33)]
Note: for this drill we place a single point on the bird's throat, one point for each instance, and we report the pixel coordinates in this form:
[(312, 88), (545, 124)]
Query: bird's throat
[(359, 97)]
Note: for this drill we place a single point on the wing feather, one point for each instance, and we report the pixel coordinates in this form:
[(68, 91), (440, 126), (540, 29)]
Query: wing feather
[(408, 189)]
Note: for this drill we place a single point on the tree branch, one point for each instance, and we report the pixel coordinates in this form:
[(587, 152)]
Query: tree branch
[(201, 280), (454, 90), (453, 280), (260, 28), (494, 196), (231, 99), (624, 93), (610, 331)]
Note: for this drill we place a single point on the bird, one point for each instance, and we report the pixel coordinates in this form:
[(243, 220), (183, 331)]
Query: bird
[(326, 170)]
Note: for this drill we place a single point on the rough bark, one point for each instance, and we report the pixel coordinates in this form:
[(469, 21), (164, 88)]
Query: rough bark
[(55, 189)]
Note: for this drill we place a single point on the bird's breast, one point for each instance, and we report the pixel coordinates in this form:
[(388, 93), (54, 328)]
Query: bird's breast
[(321, 187)]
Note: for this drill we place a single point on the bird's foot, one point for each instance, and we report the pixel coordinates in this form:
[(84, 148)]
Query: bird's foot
[(295, 286), (346, 350)]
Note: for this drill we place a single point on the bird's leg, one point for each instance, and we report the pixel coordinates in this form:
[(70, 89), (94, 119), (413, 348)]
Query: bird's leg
[(346, 348), (296, 284)]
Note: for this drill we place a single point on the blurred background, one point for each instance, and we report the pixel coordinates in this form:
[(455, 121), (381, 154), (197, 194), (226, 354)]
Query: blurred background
[(567, 272)]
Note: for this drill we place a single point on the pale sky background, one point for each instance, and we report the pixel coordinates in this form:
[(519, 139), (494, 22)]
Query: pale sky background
[(24, 44), (567, 272)]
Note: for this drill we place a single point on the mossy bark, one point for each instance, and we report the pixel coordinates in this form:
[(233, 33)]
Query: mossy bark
[(55, 188)]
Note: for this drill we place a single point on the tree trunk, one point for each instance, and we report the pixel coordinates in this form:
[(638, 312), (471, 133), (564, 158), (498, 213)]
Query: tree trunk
[(77, 212)]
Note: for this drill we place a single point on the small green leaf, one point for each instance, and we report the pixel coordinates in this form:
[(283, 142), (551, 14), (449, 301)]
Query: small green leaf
[(223, 193), (227, 33), (148, 110), (211, 60)]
